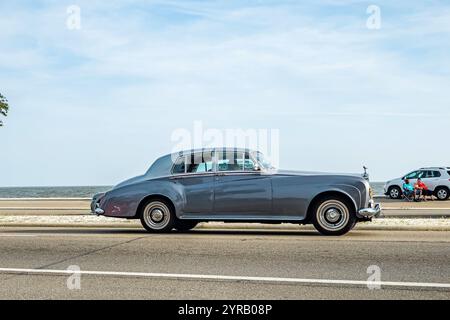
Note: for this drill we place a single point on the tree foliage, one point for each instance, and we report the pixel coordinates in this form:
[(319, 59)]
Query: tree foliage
[(3, 107)]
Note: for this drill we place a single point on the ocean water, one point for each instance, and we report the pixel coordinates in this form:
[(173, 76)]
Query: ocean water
[(86, 192), (51, 192)]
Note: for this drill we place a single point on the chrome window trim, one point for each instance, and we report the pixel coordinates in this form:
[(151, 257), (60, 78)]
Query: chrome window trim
[(193, 173), (215, 162), (190, 175)]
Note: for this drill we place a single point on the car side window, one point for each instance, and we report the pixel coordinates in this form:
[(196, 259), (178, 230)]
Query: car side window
[(436, 174), (426, 174), (430, 174), (413, 175), (179, 166), (194, 163), (234, 161)]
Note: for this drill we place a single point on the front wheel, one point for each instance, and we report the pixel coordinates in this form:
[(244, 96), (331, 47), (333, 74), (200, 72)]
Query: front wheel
[(442, 193), (395, 193), (157, 216), (333, 216)]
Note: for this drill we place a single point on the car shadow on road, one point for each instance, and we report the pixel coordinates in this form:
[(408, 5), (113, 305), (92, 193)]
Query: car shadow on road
[(135, 231), (195, 232)]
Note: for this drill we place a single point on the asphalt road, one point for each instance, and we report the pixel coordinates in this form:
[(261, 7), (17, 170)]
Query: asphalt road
[(222, 264)]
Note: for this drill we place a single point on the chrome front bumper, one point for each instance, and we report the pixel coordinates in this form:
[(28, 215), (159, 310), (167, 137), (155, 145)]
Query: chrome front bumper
[(373, 211)]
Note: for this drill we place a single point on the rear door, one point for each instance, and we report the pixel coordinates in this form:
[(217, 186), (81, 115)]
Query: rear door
[(193, 174), (239, 191), (431, 178)]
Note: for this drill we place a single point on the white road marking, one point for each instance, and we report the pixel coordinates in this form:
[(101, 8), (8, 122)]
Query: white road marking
[(17, 235), (228, 278)]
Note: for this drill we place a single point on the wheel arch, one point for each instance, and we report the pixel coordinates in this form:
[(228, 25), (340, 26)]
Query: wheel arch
[(442, 187), (336, 193), (154, 197)]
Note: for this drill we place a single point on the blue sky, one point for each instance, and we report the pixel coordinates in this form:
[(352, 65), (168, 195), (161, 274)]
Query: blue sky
[(97, 105)]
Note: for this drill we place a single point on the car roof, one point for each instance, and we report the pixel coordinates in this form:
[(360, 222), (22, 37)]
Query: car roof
[(226, 149), (163, 165)]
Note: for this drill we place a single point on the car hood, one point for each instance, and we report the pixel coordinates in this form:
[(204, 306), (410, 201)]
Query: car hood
[(313, 173)]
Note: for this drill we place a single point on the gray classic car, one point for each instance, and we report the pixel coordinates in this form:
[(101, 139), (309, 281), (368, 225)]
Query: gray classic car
[(236, 185)]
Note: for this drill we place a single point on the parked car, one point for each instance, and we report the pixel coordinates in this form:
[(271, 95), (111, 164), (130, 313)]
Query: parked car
[(236, 185), (436, 178)]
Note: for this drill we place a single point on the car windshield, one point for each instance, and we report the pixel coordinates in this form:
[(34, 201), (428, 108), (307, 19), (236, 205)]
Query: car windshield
[(263, 161)]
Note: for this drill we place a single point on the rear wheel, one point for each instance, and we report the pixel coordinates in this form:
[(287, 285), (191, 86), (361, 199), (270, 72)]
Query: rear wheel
[(157, 216), (185, 225), (442, 193), (333, 216), (395, 192)]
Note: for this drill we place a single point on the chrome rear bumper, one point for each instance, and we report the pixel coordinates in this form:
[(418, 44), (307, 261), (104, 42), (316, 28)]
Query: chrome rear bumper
[(95, 208), (99, 211), (95, 204)]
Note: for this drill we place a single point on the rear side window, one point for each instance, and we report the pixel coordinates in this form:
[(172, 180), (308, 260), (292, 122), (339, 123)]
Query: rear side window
[(448, 172), (193, 163), (436, 174), (430, 174)]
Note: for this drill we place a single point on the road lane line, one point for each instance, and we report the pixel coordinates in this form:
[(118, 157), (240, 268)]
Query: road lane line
[(229, 278), (17, 235)]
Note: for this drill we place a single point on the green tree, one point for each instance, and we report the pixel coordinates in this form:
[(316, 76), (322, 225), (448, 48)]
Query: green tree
[(3, 107)]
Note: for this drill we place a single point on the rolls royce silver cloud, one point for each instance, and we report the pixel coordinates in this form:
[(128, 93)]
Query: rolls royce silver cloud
[(236, 185)]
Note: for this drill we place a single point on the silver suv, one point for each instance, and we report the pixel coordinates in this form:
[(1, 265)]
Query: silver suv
[(436, 178)]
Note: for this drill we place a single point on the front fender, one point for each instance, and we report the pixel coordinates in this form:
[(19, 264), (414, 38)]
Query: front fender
[(350, 191)]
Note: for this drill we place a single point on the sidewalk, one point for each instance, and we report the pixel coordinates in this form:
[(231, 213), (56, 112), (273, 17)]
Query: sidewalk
[(75, 212), (104, 222)]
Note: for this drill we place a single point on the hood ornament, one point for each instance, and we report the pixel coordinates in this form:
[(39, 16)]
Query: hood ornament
[(365, 174)]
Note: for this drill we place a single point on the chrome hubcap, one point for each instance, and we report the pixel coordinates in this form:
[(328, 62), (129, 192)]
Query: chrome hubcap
[(442, 194), (333, 215), (394, 193), (156, 215)]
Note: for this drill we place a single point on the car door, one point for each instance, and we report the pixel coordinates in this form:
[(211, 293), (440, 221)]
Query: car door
[(413, 176), (193, 175), (240, 192), (431, 178)]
